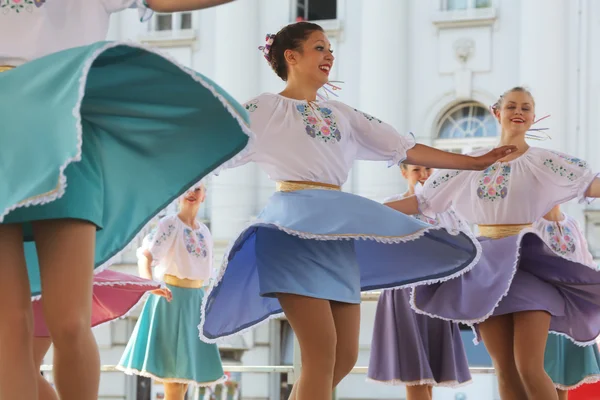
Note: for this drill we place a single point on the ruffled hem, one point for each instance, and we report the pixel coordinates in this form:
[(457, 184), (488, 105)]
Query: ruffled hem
[(62, 179), (308, 235), (473, 322), (423, 382), (144, 12), (585, 381), (133, 371)]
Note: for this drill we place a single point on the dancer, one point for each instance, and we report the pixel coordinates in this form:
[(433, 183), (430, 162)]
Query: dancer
[(568, 365), (301, 256), (105, 135), (165, 345), (519, 289), (410, 349)]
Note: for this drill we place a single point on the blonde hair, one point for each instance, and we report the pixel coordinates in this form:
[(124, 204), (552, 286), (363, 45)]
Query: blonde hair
[(498, 104)]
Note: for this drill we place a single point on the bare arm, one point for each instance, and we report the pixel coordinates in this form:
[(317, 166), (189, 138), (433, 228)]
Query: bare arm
[(167, 6), (144, 265), (408, 205), (434, 158), (594, 189)]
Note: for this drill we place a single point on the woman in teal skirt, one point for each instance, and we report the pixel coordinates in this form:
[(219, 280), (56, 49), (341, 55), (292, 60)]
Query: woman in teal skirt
[(568, 364), (95, 139), (165, 345)]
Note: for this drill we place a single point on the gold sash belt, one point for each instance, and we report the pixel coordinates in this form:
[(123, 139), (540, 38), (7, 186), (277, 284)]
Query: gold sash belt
[(292, 186), (501, 231), (5, 68), (183, 283)]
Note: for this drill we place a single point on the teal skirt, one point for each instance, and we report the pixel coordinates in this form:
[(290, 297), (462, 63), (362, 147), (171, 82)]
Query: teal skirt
[(569, 365), (110, 134), (165, 345)]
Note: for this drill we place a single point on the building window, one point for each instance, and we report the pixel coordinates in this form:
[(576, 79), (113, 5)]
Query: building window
[(456, 5), (316, 10), (467, 127), (171, 22)]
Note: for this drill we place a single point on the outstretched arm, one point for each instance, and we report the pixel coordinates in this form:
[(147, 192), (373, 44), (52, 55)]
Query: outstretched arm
[(594, 189), (434, 158), (166, 6), (408, 205)]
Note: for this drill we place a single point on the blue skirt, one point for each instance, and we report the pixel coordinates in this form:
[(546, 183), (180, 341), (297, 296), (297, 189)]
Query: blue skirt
[(110, 134), (569, 365), (164, 344), (328, 245)]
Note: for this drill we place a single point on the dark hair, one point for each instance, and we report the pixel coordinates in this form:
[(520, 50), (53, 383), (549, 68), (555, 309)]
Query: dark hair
[(498, 104), (290, 37)]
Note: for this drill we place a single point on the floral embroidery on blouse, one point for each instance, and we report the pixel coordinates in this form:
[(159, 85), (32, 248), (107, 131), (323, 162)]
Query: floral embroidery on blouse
[(252, 105), (426, 219), (194, 243), (561, 239), (572, 160), (165, 235), (560, 170), (19, 5), (369, 117), (493, 185), (323, 127), (444, 178)]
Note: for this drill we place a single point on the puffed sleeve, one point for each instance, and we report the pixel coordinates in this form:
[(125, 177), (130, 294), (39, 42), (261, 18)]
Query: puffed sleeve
[(160, 241), (144, 11), (563, 177), (376, 140), (439, 191)]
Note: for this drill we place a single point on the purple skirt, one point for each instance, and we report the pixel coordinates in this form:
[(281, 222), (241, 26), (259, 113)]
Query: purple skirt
[(519, 273), (412, 349)]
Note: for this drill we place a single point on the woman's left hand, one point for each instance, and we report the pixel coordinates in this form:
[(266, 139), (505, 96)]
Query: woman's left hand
[(164, 292), (492, 156)]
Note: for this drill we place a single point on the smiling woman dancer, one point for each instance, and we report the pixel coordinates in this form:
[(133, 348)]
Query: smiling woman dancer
[(302, 255), (519, 289)]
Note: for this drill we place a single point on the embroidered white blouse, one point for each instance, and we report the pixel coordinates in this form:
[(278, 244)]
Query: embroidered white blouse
[(520, 191), (30, 29), (179, 250), (566, 238), (317, 142)]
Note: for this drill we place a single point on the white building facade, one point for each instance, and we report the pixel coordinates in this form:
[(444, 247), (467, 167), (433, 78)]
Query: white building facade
[(431, 67)]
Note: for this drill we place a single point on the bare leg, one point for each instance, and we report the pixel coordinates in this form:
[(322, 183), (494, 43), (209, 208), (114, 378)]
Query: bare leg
[(17, 370), (531, 333), (562, 394), (40, 348), (312, 322), (346, 318), (419, 392), (175, 391), (497, 333), (66, 253)]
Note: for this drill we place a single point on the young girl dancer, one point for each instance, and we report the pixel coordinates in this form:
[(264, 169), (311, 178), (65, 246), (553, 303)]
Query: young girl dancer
[(164, 344), (411, 349), (567, 364), (519, 289), (301, 256), (104, 135)]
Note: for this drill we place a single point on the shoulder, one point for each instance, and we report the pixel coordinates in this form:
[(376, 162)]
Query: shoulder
[(259, 102), (552, 156), (167, 220)]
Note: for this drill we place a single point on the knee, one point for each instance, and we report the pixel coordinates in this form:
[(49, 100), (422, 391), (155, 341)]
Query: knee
[(529, 369), (506, 369), (345, 359), (321, 353), (17, 327), (69, 330)]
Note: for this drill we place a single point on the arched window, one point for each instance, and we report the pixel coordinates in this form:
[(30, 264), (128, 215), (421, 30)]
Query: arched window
[(466, 127)]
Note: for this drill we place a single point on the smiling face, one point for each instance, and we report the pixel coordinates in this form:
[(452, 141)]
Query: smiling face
[(415, 174), (313, 61), (516, 112), (193, 198)]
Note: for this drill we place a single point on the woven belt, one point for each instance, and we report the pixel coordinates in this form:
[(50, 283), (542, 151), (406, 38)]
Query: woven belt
[(501, 231), (4, 68), (183, 283), (292, 186)]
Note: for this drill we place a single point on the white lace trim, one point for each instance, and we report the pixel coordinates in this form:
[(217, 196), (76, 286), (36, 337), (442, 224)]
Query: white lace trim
[(133, 371), (308, 235), (472, 322), (585, 381), (62, 180), (422, 382)]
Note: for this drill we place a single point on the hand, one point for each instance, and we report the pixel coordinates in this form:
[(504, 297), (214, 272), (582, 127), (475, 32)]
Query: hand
[(164, 292), (489, 158)]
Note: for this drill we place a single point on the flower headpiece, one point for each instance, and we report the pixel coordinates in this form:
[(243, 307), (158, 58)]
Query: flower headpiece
[(266, 49)]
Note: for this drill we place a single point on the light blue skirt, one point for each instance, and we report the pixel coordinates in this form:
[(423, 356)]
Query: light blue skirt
[(165, 346), (111, 134), (328, 245), (569, 365)]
